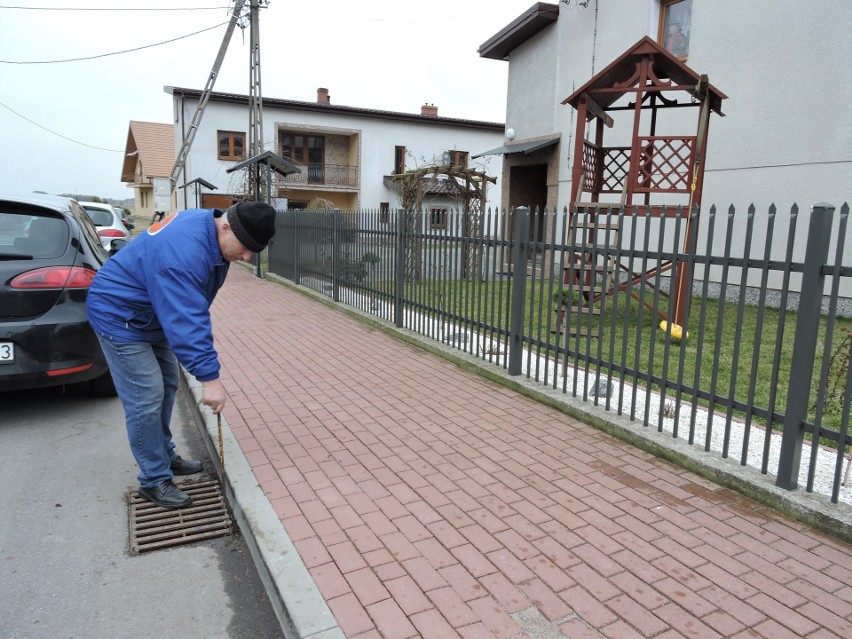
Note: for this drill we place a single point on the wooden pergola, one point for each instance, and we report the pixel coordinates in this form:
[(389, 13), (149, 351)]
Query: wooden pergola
[(644, 81), (464, 184)]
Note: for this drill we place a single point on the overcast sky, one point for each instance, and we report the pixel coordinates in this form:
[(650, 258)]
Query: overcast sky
[(381, 54)]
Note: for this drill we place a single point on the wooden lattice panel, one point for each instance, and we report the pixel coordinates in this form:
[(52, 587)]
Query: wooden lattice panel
[(665, 164), (590, 167), (616, 163)]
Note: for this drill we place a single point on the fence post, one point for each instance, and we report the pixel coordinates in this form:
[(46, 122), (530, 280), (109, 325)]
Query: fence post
[(399, 269), (335, 256), (804, 345), (295, 274), (519, 285)]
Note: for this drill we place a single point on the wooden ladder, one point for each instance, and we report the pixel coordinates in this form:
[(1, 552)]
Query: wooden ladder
[(592, 274)]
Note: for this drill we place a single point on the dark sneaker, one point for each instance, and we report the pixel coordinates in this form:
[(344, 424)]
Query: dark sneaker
[(181, 466), (166, 495)]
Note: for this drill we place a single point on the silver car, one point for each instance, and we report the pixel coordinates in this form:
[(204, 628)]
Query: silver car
[(108, 222)]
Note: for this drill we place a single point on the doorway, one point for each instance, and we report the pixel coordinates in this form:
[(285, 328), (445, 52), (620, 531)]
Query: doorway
[(528, 187)]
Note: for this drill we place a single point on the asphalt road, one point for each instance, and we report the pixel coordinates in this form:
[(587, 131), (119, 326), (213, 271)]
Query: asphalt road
[(66, 571)]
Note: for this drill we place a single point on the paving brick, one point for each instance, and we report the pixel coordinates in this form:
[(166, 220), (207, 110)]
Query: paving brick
[(399, 546), (735, 606), (447, 534), (366, 586), (391, 621), (587, 607), (462, 582), (651, 597), (346, 516), (390, 570), (312, 552), (452, 607), (347, 557), (647, 623), (379, 523), (788, 618), (771, 629), (474, 561), (330, 532), (506, 594), (378, 557), (425, 575), (411, 528), (435, 553), (350, 614), (545, 599), (684, 575), (725, 624), (620, 630), (408, 595), (330, 580), (364, 539), (493, 617), (431, 625)]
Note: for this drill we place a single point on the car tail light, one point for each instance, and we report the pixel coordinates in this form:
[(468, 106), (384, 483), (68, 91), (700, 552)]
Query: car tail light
[(68, 371), (111, 233), (55, 277)]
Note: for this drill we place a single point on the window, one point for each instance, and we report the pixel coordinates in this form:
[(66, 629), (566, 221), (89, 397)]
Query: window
[(384, 212), (675, 18), (232, 145), (438, 218), (458, 159), (307, 150), (398, 160)]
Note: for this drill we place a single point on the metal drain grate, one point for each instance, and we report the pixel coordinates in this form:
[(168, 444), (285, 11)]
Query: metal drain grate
[(154, 528)]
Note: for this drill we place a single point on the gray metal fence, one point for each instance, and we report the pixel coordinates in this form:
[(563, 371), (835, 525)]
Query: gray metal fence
[(577, 302)]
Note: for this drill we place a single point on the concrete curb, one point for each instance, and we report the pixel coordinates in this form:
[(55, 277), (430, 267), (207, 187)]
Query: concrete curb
[(298, 604)]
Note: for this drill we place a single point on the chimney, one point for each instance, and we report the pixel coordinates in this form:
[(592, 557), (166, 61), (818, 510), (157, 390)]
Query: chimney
[(322, 96), (430, 110)]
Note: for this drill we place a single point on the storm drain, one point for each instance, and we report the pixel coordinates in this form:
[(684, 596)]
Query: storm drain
[(154, 528)]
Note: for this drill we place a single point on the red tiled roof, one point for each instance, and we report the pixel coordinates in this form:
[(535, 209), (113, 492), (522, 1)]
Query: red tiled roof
[(152, 144)]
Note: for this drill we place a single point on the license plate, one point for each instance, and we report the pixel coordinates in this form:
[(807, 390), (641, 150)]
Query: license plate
[(7, 352)]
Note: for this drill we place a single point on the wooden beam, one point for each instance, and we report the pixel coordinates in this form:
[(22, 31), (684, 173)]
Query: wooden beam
[(597, 110)]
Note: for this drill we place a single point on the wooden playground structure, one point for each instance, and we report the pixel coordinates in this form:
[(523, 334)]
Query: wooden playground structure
[(652, 172)]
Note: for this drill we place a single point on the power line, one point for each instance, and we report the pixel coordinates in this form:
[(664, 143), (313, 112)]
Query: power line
[(112, 8), (64, 137), (104, 55)]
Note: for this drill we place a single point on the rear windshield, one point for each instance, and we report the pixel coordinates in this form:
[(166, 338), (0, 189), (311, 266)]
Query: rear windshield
[(100, 217), (25, 235)]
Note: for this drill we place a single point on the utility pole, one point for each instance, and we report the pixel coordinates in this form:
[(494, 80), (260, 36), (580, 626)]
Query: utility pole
[(183, 153), (255, 145)]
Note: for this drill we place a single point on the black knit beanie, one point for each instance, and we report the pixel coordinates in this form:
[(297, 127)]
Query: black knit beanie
[(253, 224)]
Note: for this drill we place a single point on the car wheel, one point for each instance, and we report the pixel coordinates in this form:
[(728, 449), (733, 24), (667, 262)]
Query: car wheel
[(102, 386)]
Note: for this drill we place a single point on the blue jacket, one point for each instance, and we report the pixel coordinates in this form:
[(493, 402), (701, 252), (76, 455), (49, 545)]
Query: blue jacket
[(161, 285)]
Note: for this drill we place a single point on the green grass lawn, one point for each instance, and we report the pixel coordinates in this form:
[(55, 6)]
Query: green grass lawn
[(631, 337)]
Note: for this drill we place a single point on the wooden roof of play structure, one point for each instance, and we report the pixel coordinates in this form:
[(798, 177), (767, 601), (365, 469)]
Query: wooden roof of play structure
[(623, 73)]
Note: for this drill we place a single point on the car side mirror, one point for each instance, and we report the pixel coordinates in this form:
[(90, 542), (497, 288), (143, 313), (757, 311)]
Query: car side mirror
[(116, 245)]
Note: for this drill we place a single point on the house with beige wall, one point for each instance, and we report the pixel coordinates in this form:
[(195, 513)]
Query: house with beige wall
[(148, 160)]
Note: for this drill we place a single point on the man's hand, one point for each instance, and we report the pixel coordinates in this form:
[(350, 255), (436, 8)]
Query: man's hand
[(213, 395)]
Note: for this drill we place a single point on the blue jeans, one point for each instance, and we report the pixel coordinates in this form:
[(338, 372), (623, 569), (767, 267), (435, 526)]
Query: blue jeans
[(146, 379)]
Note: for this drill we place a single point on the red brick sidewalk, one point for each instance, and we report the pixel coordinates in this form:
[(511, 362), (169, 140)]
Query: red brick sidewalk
[(429, 502)]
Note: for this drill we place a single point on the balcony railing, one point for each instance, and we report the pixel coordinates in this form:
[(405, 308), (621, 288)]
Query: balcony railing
[(324, 175)]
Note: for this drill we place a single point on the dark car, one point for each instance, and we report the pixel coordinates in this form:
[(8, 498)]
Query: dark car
[(49, 254)]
